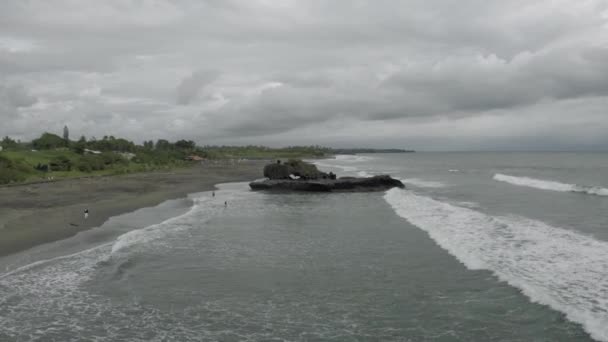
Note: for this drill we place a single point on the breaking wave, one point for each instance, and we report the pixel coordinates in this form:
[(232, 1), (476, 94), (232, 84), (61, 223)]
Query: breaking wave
[(53, 288), (150, 233), (364, 174), (423, 183), (352, 158), (175, 224), (344, 168), (344, 162), (551, 185), (557, 267)]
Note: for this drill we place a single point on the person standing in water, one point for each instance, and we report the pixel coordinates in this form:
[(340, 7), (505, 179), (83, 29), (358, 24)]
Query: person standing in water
[(86, 213), (225, 203)]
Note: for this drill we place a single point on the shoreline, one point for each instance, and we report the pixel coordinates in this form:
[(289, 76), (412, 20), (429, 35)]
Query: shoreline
[(35, 214)]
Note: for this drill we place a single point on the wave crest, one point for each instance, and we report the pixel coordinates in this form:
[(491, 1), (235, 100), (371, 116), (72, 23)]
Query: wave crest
[(352, 158), (551, 185), (423, 183), (157, 231)]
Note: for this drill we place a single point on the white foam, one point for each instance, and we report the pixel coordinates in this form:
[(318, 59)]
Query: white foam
[(352, 158), (553, 266), (469, 204), (343, 162), (46, 288), (364, 174), (551, 185), (344, 168), (53, 289), (423, 183), (38, 263), (157, 231)]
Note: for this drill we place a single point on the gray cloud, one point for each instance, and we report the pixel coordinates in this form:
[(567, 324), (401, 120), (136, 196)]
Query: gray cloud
[(190, 86), (16, 96), (487, 82), (338, 72), (12, 98)]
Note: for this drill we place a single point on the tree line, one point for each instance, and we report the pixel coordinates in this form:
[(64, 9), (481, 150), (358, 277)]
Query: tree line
[(53, 153)]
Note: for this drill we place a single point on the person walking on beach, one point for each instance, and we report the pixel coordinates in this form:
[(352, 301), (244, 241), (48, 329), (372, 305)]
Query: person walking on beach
[(225, 203), (86, 213), (213, 194)]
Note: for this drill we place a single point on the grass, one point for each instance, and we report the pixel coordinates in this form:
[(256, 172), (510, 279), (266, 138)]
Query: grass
[(39, 157), (33, 158), (149, 161)]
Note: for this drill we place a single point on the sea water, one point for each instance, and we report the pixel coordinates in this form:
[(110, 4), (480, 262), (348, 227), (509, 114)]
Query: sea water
[(478, 247)]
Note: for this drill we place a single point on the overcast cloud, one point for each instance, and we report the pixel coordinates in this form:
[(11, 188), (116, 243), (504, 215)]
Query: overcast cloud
[(428, 75)]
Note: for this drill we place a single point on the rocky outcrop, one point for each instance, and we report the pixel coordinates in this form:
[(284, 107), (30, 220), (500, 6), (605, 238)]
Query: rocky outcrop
[(276, 171), (346, 184), (295, 168)]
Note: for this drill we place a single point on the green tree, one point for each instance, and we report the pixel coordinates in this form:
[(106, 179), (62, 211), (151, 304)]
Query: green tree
[(60, 163), (7, 142), (162, 144), (80, 145), (149, 145), (185, 144), (48, 141)]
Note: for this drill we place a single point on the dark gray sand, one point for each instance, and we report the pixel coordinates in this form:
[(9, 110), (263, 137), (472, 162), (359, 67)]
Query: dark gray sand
[(38, 213)]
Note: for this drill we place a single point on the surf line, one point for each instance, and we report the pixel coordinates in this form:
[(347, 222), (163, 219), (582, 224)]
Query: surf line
[(527, 254), (551, 185)]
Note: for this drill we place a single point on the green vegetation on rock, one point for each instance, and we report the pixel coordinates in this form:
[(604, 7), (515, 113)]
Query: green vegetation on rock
[(293, 167)]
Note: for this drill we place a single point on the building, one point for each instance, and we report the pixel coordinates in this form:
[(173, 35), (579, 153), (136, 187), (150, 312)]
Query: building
[(194, 158), (87, 151), (127, 155)]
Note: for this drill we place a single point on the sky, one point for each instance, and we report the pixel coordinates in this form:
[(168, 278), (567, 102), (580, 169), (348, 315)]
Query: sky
[(416, 74)]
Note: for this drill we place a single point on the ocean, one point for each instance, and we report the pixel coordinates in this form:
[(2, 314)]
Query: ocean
[(478, 247)]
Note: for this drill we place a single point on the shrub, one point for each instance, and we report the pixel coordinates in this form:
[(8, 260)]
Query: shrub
[(110, 158), (88, 163), (13, 170), (60, 163)]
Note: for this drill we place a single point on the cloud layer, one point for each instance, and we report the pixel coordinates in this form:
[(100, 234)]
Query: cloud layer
[(444, 75)]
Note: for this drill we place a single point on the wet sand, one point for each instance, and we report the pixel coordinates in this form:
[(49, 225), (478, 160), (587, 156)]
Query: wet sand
[(34, 214)]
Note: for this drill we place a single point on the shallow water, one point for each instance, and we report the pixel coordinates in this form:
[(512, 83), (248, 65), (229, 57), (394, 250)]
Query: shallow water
[(458, 256)]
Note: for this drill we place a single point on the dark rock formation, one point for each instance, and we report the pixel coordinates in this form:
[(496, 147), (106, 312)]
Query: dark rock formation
[(345, 184), (276, 171), (296, 168)]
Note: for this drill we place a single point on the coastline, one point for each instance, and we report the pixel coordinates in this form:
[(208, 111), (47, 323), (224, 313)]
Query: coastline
[(34, 214)]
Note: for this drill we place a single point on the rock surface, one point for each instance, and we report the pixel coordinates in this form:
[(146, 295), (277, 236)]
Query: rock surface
[(293, 167), (346, 184)]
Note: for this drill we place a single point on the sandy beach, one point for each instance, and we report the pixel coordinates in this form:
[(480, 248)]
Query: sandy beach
[(34, 214)]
